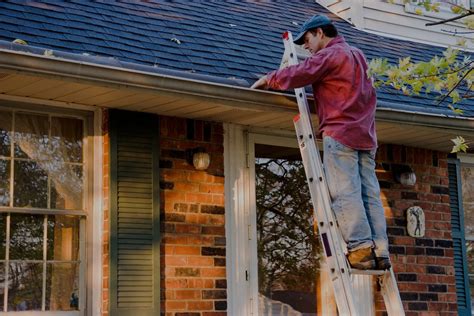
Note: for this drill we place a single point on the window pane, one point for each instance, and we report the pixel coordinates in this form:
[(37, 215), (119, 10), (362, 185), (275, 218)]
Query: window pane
[(5, 132), (26, 237), (288, 247), (3, 240), (4, 182), (30, 185), (2, 285), (25, 286), (67, 187), (62, 287), (66, 138), (31, 136), (63, 238)]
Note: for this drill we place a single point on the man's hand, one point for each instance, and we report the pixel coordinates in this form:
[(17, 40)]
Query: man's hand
[(261, 83)]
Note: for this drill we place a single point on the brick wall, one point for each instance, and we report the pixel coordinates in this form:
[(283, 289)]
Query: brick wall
[(193, 272), (423, 266), (193, 276)]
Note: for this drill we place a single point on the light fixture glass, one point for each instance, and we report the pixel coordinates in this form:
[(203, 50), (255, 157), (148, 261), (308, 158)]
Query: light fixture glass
[(201, 160), (408, 178)]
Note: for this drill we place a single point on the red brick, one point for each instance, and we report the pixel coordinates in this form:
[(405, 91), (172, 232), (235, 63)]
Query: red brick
[(186, 186), (211, 188), (187, 250), (200, 305), (188, 294), (202, 198), (175, 305), (176, 283), (200, 261), (213, 272)]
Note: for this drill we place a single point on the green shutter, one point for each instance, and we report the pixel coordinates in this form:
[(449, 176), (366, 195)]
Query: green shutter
[(134, 214), (459, 244)]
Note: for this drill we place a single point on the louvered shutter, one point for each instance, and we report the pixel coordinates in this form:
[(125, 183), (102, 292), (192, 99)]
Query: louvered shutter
[(134, 214), (459, 244)]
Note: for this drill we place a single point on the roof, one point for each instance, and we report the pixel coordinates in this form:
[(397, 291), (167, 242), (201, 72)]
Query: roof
[(233, 42)]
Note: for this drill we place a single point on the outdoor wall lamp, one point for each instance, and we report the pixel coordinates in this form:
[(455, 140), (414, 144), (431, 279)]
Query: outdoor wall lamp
[(201, 158), (404, 175)]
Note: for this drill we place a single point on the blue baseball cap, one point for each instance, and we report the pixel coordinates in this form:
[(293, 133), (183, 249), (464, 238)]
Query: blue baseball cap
[(312, 23)]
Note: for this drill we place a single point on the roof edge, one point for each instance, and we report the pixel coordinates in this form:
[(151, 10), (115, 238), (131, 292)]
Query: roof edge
[(143, 79), (83, 69)]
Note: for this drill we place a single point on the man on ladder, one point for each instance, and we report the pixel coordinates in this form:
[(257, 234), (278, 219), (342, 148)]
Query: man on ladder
[(345, 101)]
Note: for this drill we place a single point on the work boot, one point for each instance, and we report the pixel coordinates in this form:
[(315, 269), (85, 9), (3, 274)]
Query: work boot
[(383, 263), (363, 259)]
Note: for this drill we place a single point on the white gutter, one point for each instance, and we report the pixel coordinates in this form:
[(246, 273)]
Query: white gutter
[(150, 79)]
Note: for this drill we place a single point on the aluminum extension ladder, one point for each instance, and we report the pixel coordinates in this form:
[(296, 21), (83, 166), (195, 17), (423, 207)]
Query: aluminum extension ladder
[(344, 278)]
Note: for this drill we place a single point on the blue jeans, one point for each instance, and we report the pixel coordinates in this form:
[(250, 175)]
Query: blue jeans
[(355, 194)]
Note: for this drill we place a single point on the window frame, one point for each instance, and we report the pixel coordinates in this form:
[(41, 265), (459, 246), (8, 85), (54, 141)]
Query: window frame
[(85, 215)]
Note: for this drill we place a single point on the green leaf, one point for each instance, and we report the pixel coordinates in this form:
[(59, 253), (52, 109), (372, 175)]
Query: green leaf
[(459, 144), (456, 111)]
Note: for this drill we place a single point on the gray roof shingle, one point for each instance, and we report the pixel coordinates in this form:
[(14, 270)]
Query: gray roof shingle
[(224, 39)]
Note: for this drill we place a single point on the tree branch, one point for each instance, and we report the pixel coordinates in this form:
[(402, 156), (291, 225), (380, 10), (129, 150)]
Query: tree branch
[(454, 88), (451, 19)]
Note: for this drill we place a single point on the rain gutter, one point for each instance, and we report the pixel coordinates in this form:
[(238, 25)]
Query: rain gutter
[(112, 73)]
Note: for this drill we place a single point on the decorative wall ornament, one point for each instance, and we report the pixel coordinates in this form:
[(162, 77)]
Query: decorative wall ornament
[(416, 221)]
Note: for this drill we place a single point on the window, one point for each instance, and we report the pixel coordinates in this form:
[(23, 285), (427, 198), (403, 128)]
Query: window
[(42, 213)]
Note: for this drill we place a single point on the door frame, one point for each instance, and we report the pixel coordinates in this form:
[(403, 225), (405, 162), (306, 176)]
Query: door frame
[(254, 139), (241, 229)]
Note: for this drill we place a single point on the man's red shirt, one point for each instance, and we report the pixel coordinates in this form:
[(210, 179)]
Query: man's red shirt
[(345, 97)]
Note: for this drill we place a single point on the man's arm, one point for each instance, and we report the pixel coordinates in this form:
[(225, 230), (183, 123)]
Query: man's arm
[(261, 83), (296, 76)]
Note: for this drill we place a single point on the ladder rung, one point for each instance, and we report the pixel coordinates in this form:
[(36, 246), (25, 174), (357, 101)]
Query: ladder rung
[(369, 272)]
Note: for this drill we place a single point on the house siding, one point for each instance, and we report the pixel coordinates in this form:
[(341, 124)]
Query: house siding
[(397, 19)]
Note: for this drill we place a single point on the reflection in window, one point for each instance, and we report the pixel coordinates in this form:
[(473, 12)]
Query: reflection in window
[(41, 168), (26, 237), (288, 247), (62, 287), (37, 270), (4, 182), (63, 241), (2, 285), (25, 286), (5, 133), (30, 185), (3, 240), (47, 158)]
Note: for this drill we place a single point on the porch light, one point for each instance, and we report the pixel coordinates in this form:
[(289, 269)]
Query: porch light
[(201, 159), (404, 175)]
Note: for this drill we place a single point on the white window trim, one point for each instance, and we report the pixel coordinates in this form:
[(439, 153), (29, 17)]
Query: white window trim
[(92, 302)]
